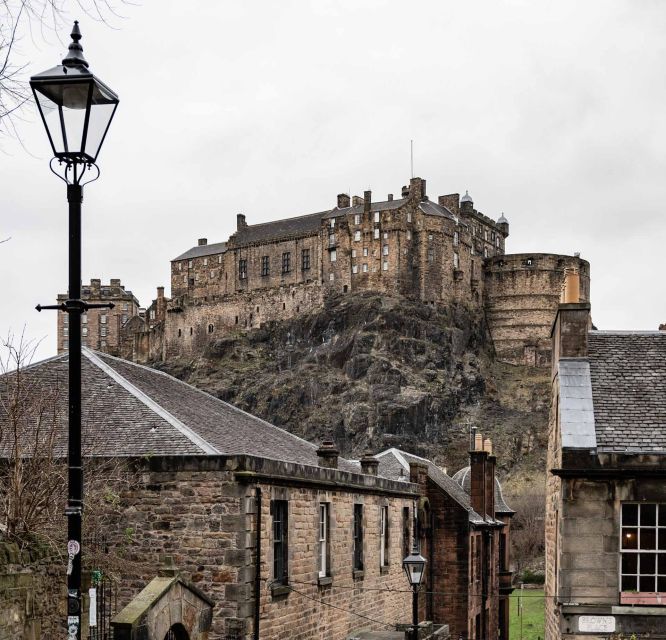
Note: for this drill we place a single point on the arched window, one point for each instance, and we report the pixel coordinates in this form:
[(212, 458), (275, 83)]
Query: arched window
[(177, 632)]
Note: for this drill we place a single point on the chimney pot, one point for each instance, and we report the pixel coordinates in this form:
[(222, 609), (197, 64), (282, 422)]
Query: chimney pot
[(367, 201), (160, 292), (369, 464), (488, 446), (343, 201), (478, 442), (328, 454), (203, 242), (240, 221), (390, 197)]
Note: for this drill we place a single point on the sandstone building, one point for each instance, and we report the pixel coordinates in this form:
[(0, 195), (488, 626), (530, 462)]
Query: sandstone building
[(606, 497), (286, 539), (439, 251)]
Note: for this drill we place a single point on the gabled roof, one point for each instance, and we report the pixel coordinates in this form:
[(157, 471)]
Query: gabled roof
[(383, 205), (628, 379), (132, 410), (393, 460), (203, 250), (434, 209), (277, 229)]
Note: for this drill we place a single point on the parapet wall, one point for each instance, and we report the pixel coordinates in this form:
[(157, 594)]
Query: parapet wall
[(522, 292)]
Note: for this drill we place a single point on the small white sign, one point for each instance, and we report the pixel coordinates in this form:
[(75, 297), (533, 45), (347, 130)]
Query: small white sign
[(92, 617), (73, 547), (596, 624)]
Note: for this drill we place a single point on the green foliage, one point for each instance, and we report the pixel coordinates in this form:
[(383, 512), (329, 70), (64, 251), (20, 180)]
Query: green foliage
[(533, 577), (530, 625)]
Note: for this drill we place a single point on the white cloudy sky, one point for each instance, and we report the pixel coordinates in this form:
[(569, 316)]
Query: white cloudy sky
[(552, 112)]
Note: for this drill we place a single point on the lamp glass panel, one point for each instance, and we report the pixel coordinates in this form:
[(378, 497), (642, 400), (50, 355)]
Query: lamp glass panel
[(100, 117), (416, 571), (52, 118)]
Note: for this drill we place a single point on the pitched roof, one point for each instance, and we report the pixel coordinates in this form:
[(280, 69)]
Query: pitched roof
[(383, 205), (132, 410), (434, 209), (393, 460), (202, 250), (299, 226), (628, 375), (576, 406)]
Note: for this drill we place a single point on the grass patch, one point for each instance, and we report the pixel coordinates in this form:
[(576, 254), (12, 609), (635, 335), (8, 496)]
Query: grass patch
[(532, 620)]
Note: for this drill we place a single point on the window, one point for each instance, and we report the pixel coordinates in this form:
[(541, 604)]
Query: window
[(456, 261), (365, 252), (84, 318), (497, 242), (385, 265), (357, 236), (331, 276), (66, 318), (334, 255), (65, 344), (103, 343), (358, 537), (456, 238), (211, 328), (376, 216), (180, 332), (385, 235), (353, 253), (242, 269), (331, 239), (102, 319), (65, 331), (286, 262), (265, 265), (430, 236), (180, 266), (431, 254), (123, 319), (643, 548), (409, 234), (376, 234), (189, 263), (485, 235), (184, 278), (205, 262), (305, 258), (385, 250), (323, 551), (492, 236), (357, 218), (406, 521), (383, 535), (102, 332), (485, 252), (409, 216), (84, 331), (365, 268), (219, 259), (280, 511), (332, 223), (354, 268)]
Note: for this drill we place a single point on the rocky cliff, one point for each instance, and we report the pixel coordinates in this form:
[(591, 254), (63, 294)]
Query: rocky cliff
[(374, 371)]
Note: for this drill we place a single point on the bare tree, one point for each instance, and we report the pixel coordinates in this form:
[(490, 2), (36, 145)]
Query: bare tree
[(527, 529)]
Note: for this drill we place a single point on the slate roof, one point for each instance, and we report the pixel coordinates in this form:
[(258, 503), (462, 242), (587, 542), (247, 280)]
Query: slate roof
[(393, 460), (203, 250), (576, 406), (383, 205), (464, 479), (132, 410), (628, 375), (277, 229), (434, 209)]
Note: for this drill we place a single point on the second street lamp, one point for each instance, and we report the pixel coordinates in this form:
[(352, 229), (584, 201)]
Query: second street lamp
[(76, 109), (414, 566)]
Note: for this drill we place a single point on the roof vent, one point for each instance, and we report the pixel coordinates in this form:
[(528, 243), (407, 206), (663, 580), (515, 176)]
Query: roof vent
[(369, 464), (328, 454)]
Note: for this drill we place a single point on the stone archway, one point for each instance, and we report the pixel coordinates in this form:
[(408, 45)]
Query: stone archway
[(177, 632)]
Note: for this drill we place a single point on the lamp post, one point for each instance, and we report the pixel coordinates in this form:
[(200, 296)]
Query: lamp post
[(76, 109), (414, 566)]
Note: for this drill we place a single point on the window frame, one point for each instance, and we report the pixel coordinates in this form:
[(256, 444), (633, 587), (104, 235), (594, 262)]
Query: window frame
[(324, 538), (280, 525), (265, 266), (357, 537), (286, 262), (384, 536), (305, 258), (242, 268)]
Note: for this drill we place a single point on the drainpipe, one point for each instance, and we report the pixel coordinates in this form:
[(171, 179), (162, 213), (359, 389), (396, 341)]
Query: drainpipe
[(257, 567)]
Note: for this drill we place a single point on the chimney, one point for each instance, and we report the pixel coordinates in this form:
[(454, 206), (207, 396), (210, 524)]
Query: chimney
[(357, 200), (328, 455), (160, 293), (115, 282), (451, 202), (490, 477), (405, 191), (203, 242), (369, 464), (417, 189), (571, 286), (569, 332), (418, 474), (390, 197), (343, 201), (240, 221), (95, 283), (367, 201), (477, 464)]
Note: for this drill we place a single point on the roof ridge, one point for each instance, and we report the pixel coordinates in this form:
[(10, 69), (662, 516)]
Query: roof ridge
[(210, 395), (303, 215), (180, 426)]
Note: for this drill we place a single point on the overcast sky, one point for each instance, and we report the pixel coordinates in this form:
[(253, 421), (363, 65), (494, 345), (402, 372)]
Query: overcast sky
[(551, 112)]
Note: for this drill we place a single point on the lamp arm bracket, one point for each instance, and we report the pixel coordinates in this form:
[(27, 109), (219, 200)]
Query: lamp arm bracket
[(74, 171)]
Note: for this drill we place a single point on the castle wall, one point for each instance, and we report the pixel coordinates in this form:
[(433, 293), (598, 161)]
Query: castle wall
[(522, 292)]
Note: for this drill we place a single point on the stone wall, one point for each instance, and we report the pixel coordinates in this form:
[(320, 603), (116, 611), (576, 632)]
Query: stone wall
[(522, 293)]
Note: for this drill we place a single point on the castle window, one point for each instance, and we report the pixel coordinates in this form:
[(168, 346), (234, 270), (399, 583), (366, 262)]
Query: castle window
[(456, 238), (211, 328), (125, 307), (430, 236), (84, 318), (376, 216), (102, 332), (65, 332), (492, 236), (376, 234), (385, 235), (497, 242), (357, 218), (189, 263), (358, 537), (123, 319), (205, 262), (84, 331), (331, 239), (485, 235), (65, 318), (242, 269), (353, 253), (485, 252), (103, 343), (191, 330), (65, 344), (431, 254), (265, 265), (280, 512), (305, 258), (409, 216), (354, 268), (323, 552), (102, 319), (286, 262), (385, 250), (331, 276), (365, 252), (332, 223), (357, 236), (219, 259), (236, 322), (184, 278), (409, 234), (180, 331), (456, 261), (385, 265), (180, 266), (334, 255), (365, 267), (384, 538)]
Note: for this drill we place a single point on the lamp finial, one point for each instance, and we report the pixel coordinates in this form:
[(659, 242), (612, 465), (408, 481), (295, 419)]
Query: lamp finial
[(74, 55)]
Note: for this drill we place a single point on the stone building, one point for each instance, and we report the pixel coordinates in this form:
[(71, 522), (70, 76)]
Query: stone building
[(100, 328), (465, 532), (606, 496)]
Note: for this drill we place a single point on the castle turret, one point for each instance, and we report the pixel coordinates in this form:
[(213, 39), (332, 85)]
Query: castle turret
[(503, 225), (466, 203)]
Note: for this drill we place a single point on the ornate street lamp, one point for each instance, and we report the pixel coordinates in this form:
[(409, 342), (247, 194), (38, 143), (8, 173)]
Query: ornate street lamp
[(414, 566), (77, 109)]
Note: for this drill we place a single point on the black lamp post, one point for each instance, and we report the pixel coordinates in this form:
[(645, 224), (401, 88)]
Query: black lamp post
[(77, 109), (414, 566)]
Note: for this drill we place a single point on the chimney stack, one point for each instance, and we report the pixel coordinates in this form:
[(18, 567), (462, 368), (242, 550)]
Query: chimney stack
[(477, 464), (160, 293), (405, 191), (390, 197), (115, 282), (343, 201), (357, 200), (367, 201), (369, 464), (203, 242), (569, 332), (489, 478), (328, 455), (240, 221)]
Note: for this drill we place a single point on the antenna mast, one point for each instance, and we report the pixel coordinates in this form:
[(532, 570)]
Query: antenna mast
[(411, 155)]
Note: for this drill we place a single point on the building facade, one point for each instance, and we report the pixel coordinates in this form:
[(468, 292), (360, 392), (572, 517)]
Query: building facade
[(606, 496)]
